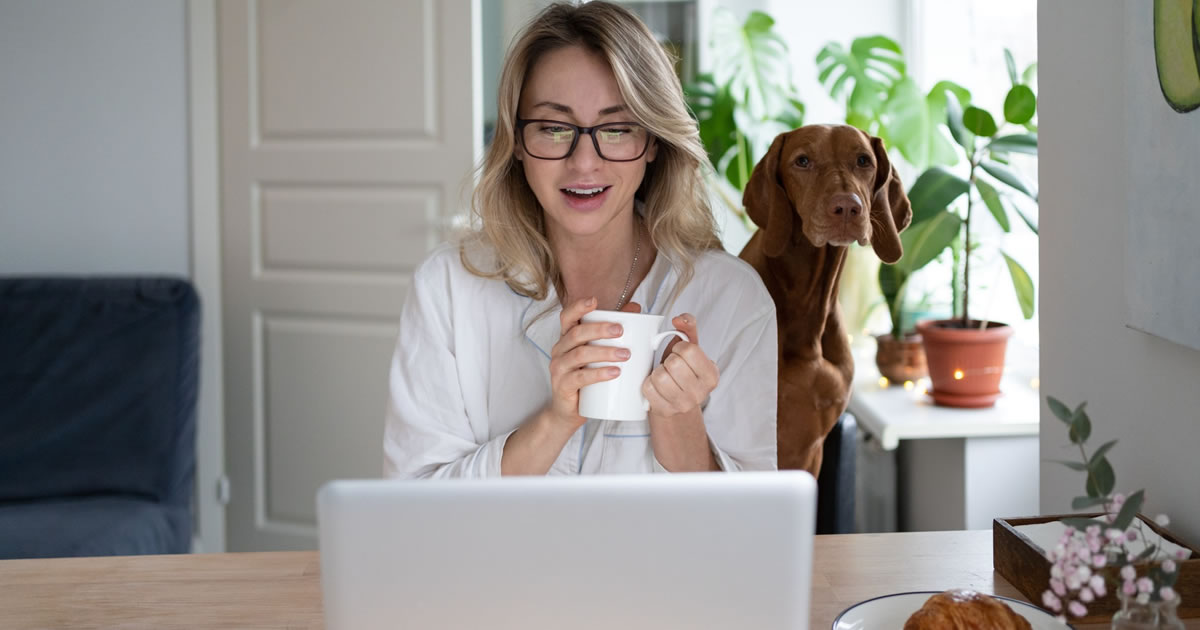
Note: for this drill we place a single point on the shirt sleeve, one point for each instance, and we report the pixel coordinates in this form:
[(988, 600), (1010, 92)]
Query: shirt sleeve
[(428, 433), (741, 411)]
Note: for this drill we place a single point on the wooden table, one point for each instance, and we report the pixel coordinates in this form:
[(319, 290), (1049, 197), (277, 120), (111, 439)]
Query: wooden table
[(282, 589)]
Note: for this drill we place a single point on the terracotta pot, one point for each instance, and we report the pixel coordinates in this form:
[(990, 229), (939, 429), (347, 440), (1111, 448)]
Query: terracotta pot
[(901, 359), (965, 364)]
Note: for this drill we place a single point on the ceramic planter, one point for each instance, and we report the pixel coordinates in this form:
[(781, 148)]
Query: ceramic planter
[(965, 364), (900, 359)]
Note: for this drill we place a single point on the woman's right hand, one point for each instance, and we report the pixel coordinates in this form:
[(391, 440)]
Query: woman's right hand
[(569, 358)]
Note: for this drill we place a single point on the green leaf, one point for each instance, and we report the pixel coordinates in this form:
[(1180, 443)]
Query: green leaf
[(1101, 479), (1100, 452), (1081, 503), (1011, 65), (1015, 143), (933, 191), (954, 120), (1146, 553), (1079, 466), (1008, 176), (1129, 510), (1022, 284), (991, 199), (1030, 75), (979, 121), (907, 116), (752, 60), (1020, 105), (925, 241), (1081, 428), (872, 64), (1061, 411), (1028, 222)]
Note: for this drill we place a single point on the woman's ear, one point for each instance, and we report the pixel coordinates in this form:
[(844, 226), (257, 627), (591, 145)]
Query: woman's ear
[(652, 150)]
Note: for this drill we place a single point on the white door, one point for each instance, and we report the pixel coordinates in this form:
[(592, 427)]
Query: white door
[(348, 134)]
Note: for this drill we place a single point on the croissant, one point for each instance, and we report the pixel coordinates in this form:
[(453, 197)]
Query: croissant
[(962, 609)]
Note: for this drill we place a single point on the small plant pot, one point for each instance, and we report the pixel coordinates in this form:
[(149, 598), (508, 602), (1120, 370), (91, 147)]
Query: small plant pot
[(901, 359), (965, 363)]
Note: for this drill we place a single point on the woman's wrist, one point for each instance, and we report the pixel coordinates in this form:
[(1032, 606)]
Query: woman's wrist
[(680, 442), (533, 448)]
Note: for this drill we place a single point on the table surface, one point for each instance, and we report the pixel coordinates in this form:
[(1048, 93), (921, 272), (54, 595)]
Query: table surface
[(282, 589), (893, 413)]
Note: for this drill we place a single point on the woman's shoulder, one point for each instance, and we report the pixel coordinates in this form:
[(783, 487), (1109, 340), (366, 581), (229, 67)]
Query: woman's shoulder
[(718, 272), (448, 262)]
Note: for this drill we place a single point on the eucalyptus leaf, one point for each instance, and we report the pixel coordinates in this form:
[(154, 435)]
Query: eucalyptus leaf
[(991, 199), (1101, 479), (1081, 428), (1008, 176), (1020, 105), (1132, 505), (1022, 284), (1011, 65), (934, 190), (1081, 503), (1060, 411), (1100, 452), (1146, 553), (1079, 466), (979, 121)]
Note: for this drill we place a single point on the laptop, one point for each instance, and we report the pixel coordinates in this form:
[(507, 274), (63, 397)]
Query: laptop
[(703, 551)]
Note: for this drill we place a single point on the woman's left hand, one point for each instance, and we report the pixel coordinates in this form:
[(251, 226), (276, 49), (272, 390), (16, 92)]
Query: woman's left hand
[(686, 376)]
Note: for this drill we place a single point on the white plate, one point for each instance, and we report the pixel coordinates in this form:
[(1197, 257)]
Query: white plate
[(889, 612)]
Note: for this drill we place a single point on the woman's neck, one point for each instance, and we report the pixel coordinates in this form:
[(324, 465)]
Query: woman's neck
[(603, 266)]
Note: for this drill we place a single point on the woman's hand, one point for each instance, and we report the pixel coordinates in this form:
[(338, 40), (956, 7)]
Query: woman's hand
[(570, 356), (686, 376)]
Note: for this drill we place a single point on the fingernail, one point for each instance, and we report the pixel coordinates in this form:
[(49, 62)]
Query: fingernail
[(591, 301), (613, 371), (622, 353), (615, 329)]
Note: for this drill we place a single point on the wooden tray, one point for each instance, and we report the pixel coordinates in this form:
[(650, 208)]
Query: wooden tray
[(1024, 565)]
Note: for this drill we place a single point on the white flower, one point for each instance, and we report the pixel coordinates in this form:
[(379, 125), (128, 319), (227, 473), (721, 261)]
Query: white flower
[(1084, 573), (1093, 530), (1077, 609), (1114, 534), (1166, 593), (1168, 566), (1163, 520), (1144, 585), (1086, 595), (1143, 598), (1056, 571), (1128, 573), (1097, 584), (1051, 601), (1073, 582)]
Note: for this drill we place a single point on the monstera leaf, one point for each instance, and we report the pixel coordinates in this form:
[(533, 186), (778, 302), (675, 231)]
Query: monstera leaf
[(869, 69), (752, 60)]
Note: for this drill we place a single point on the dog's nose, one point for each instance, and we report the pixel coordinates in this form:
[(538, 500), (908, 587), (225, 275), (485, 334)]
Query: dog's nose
[(845, 205)]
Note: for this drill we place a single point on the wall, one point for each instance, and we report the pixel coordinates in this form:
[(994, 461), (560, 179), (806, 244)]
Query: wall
[(1140, 389), (93, 116)]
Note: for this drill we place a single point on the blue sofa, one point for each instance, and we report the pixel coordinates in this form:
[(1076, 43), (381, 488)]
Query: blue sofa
[(98, 381)]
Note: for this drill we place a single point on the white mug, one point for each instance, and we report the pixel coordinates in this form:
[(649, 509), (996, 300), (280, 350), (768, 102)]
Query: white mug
[(621, 398)]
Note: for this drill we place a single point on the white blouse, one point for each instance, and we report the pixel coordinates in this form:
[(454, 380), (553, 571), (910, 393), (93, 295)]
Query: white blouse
[(472, 365)]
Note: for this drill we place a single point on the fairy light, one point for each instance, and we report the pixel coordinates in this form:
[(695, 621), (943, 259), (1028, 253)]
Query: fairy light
[(923, 388), (958, 375), (1035, 383), (909, 385), (883, 382)]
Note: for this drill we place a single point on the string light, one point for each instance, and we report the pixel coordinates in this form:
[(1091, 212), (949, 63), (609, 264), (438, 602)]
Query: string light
[(958, 375), (908, 386), (883, 382)]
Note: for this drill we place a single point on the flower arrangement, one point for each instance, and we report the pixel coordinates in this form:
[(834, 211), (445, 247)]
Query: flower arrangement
[(1116, 538)]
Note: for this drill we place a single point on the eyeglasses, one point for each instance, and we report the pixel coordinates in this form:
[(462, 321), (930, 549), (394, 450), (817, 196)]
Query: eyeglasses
[(556, 140)]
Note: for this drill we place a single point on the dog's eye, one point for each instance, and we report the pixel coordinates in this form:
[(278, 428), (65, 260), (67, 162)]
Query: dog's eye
[(803, 161), (863, 160)]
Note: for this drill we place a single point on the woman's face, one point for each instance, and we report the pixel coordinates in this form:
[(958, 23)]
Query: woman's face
[(584, 194)]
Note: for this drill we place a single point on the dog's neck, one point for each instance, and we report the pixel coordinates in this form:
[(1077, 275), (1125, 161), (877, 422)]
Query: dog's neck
[(806, 275)]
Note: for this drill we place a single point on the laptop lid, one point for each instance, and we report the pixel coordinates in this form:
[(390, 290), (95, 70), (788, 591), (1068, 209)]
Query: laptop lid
[(697, 551)]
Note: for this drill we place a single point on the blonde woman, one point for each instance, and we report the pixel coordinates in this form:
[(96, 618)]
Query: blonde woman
[(591, 196)]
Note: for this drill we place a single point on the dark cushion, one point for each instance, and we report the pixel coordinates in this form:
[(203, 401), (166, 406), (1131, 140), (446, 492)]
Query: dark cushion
[(98, 388), (91, 526)]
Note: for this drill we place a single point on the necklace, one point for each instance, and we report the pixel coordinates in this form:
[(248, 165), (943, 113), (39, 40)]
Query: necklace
[(637, 248)]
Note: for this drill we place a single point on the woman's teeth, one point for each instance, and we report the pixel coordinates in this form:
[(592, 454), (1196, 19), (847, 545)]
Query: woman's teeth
[(585, 192)]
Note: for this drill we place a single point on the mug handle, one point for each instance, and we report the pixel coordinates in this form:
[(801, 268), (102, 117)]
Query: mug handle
[(654, 342)]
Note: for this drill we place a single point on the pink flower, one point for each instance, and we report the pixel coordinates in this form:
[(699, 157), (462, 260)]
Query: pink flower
[(1073, 582), (1056, 571), (1084, 573), (1114, 534), (1097, 585), (1144, 585), (1168, 566), (1128, 588), (1131, 534), (1099, 561), (1056, 585), (1086, 595), (1051, 601), (1093, 531), (1128, 572), (1182, 554), (1166, 593), (1118, 500), (1077, 609)]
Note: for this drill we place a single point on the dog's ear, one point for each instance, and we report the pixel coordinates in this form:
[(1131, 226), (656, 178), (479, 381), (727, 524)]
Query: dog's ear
[(890, 210), (767, 202)]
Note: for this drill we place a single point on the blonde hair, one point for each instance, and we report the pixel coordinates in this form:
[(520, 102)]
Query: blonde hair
[(673, 192)]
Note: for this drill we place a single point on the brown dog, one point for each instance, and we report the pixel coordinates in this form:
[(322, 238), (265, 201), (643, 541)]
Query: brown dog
[(818, 189)]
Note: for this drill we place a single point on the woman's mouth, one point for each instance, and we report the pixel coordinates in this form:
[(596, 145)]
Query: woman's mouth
[(588, 198)]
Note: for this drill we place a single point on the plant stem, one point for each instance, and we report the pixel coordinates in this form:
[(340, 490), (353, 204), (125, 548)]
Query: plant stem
[(966, 318), (743, 159)]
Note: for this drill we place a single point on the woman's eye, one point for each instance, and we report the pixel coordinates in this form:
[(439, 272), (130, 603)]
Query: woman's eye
[(803, 161), (863, 160)]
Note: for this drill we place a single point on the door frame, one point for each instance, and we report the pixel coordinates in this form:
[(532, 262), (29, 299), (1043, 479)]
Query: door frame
[(212, 486)]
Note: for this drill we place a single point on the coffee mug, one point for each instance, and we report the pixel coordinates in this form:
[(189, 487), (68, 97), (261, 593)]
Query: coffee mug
[(621, 398)]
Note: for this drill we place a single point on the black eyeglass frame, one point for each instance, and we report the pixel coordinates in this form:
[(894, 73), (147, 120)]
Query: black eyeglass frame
[(579, 132)]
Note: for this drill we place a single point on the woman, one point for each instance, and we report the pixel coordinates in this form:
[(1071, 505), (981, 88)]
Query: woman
[(591, 197)]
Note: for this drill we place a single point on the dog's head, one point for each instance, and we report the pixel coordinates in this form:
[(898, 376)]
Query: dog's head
[(833, 182)]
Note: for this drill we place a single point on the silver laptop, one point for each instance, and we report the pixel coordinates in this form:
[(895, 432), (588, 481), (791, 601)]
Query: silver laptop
[(621, 552)]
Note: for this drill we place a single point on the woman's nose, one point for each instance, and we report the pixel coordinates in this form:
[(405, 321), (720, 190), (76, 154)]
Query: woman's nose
[(584, 157)]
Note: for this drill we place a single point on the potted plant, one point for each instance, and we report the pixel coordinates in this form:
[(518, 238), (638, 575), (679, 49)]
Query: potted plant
[(966, 355)]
